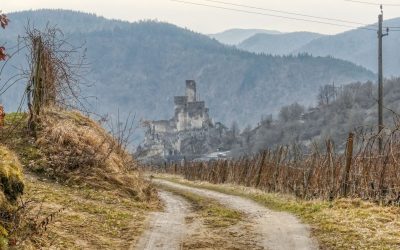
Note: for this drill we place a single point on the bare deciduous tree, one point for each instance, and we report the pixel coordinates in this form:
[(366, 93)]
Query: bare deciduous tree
[(326, 95), (55, 70), (291, 113)]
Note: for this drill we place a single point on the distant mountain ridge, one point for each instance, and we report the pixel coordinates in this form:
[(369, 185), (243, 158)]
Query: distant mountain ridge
[(236, 36), (277, 44), (359, 46), (68, 21), (139, 67)]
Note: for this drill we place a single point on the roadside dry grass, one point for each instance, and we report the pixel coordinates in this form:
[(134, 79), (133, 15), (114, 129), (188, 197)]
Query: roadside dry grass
[(97, 205), (85, 218), (341, 224), (214, 226)]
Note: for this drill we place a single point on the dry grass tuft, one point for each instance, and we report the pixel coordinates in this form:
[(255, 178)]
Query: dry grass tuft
[(90, 219), (84, 141), (91, 203), (78, 150)]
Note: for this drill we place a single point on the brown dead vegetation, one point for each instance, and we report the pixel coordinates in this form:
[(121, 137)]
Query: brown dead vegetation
[(81, 217), (78, 150), (85, 192), (364, 174)]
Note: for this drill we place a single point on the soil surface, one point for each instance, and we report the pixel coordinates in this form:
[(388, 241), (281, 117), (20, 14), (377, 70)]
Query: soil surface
[(275, 230), (167, 229)]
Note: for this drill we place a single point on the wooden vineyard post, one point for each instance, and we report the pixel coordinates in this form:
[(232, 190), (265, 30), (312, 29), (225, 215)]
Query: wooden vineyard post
[(349, 157), (260, 170)]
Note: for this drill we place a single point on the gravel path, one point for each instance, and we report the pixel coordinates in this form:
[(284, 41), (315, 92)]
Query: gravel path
[(277, 230), (167, 229)]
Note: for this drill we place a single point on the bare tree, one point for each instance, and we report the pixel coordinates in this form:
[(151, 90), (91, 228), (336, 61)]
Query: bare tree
[(326, 95), (291, 113), (55, 69), (123, 131)]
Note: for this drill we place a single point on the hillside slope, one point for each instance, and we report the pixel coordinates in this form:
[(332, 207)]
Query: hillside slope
[(277, 44), (140, 67), (360, 46), (352, 108), (67, 21), (236, 36)]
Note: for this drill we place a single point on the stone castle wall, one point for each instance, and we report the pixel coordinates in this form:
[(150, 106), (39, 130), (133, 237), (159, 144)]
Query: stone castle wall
[(190, 123)]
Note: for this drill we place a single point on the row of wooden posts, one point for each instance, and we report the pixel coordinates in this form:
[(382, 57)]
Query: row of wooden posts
[(359, 172)]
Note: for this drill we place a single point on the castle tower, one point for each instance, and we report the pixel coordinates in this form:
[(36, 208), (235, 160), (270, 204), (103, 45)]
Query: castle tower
[(191, 90)]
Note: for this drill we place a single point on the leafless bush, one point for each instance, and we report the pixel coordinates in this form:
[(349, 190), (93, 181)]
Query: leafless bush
[(122, 131)]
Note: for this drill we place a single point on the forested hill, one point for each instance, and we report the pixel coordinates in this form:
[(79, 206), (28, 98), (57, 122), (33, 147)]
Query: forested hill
[(360, 46), (67, 21), (236, 36), (139, 67), (340, 110), (278, 44)]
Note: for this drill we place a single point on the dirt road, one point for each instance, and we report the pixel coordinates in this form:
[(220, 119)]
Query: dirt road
[(276, 230), (167, 229)]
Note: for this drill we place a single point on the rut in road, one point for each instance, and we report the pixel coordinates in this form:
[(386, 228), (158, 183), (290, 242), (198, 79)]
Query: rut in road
[(277, 230), (167, 229)]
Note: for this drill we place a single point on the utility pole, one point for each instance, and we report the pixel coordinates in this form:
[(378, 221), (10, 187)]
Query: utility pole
[(380, 77)]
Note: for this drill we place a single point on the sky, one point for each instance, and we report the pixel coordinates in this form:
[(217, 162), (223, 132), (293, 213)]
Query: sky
[(210, 20)]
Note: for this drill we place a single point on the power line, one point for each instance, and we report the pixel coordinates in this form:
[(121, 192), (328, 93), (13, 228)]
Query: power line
[(372, 3), (271, 15), (367, 3), (286, 12)]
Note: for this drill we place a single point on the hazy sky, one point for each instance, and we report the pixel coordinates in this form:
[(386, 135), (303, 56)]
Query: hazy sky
[(209, 20)]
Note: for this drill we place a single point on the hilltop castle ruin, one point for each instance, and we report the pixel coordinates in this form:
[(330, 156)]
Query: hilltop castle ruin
[(190, 133), (190, 114)]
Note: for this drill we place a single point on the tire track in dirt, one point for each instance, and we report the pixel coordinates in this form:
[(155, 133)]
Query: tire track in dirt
[(167, 229), (277, 230)]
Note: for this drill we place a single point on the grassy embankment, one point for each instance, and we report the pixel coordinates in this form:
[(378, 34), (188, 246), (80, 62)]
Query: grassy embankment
[(79, 192), (340, 224)]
